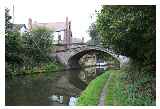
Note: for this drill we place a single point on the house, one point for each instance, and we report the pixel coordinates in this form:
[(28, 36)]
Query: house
[(20, 27), (62, 30)]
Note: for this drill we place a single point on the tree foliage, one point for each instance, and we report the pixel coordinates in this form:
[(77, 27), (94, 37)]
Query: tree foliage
[(93, 33), (130, 31), (37, 44), (25, 51), (13, 45), (8, 24)]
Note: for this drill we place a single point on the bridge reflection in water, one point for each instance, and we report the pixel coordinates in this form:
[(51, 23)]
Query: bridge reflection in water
[(55, 89), (85, 75)]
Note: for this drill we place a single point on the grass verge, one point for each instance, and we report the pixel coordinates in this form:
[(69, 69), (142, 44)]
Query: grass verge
[(44, 68), (122, 92), (90, 96), (116, 90)]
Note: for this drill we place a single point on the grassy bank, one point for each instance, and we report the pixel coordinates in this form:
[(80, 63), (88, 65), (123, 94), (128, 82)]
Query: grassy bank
[(43, 68), (47, 68), (90, 96), (121, 91), (116, 94)]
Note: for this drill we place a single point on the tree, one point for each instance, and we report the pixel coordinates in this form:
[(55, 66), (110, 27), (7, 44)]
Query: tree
[(37, 45), (27, 50), (130, 31), (95, 39), (8, 24), (13, 45)]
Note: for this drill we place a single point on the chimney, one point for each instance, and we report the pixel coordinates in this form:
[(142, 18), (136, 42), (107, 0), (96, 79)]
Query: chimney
[(69, 33), (67, 21), (66, 32)]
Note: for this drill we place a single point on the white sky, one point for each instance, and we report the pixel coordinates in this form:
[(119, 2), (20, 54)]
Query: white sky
[(78, 11)]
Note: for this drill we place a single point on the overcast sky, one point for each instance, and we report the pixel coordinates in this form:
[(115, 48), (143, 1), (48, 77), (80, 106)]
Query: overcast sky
[(78, 11)]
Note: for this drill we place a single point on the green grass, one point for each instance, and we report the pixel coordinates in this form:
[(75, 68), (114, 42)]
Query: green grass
[(52, 67), (90, 96), (44, 68), (116, 90), (121, 92), (47, 68)]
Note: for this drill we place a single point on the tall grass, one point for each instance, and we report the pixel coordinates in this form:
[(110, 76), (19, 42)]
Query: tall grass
[(122, 91)]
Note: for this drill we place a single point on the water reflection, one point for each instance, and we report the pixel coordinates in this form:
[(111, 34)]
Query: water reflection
[(102, 67), (88, 74), (64, 100), (72, 101), (58, 89)]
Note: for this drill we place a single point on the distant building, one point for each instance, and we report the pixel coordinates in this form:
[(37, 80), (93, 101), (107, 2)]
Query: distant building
[(20, 27), (62, 30)]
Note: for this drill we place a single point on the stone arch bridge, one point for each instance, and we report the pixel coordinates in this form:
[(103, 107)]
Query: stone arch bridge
[(69, 57)]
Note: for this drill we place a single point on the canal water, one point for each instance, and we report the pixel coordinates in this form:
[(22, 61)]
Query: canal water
[(49, 89)]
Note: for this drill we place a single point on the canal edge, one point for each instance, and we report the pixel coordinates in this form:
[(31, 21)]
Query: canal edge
[(104, 93)]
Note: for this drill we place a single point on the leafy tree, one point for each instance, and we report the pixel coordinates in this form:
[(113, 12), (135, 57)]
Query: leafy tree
[(37, 45), (8, 24), (28, 50), (13, 46), (130, 31), (95, 39)]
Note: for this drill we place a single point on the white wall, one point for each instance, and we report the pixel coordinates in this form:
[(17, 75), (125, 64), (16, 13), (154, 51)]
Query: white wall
[(56, 36)]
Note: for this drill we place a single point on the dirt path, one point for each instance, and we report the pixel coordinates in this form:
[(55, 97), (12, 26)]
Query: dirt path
[(104, 92)]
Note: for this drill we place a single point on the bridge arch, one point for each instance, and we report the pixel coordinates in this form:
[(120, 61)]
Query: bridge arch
[(70, 57), (73, 60)]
